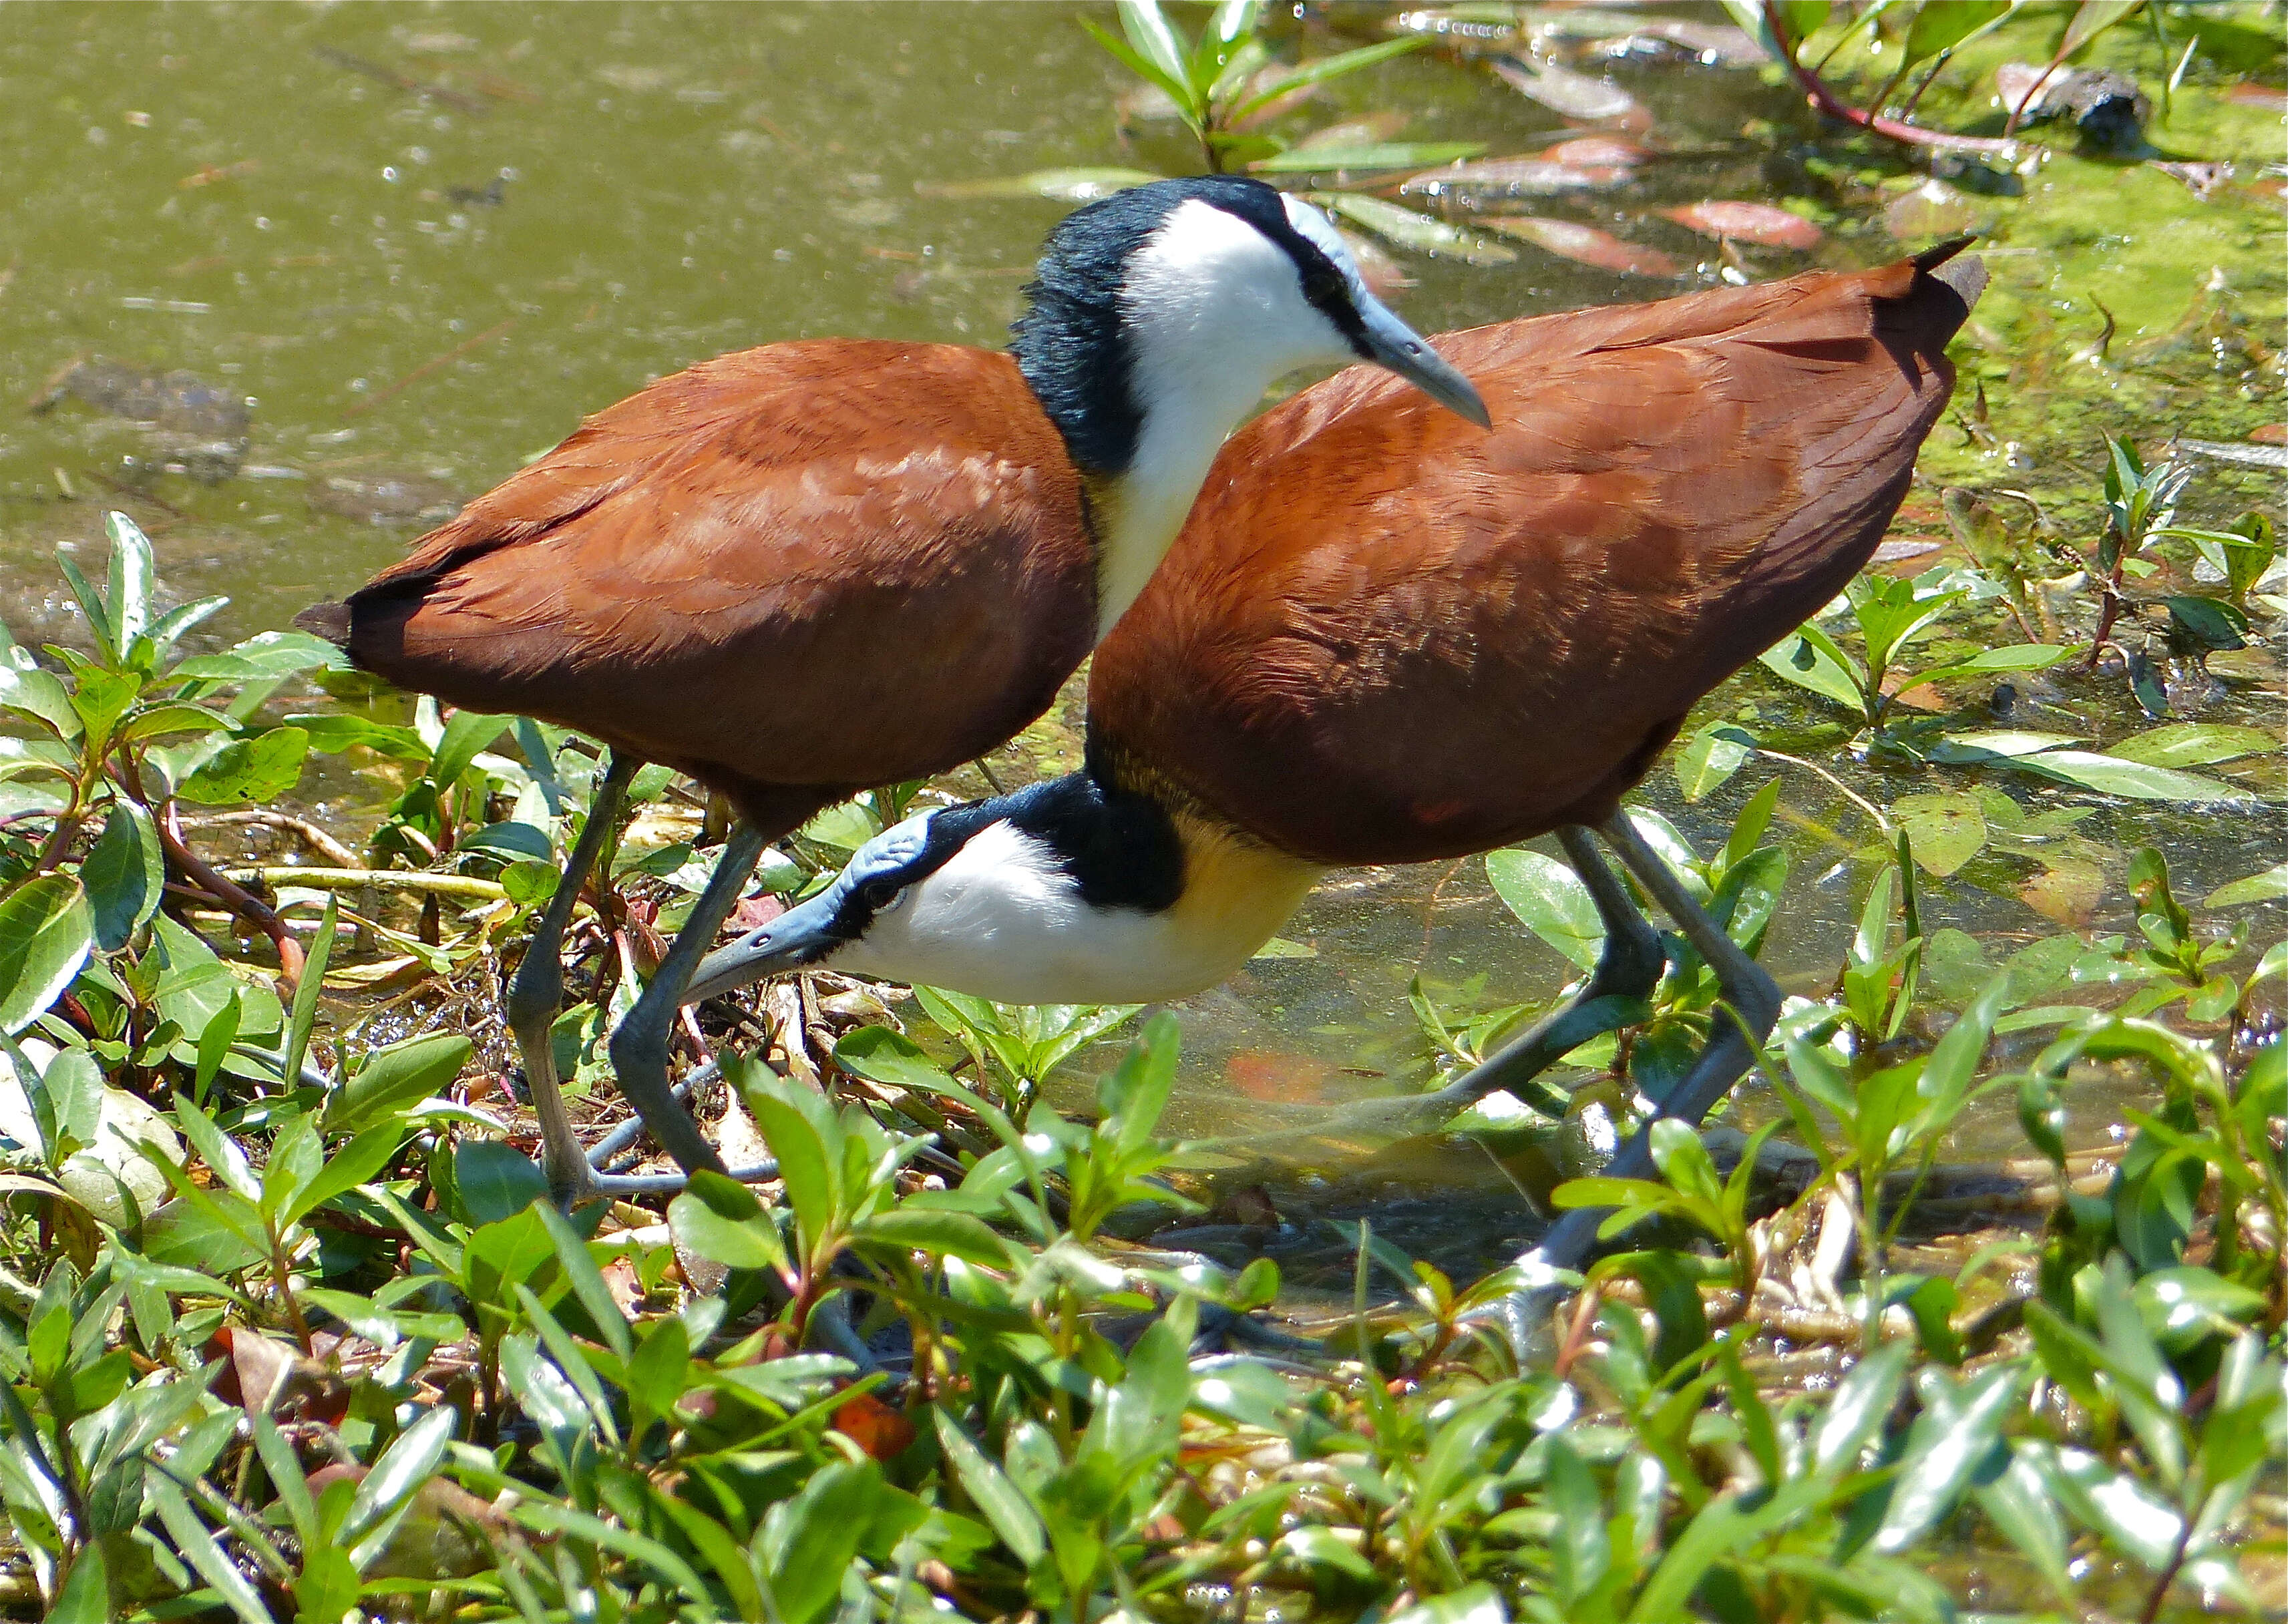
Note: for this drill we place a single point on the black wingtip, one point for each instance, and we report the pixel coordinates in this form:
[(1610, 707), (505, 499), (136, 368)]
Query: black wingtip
[(330, 622)]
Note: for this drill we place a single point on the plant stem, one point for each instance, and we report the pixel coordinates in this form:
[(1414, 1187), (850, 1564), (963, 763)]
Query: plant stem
[(1825, 102)]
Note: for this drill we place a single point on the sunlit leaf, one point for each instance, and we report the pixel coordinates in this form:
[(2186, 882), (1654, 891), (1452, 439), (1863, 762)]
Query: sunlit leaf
[(1745, 222), (1586, 245), (46, 930), (1408, 229)]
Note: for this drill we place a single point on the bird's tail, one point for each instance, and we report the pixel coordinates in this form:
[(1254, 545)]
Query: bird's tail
[(330, 622)]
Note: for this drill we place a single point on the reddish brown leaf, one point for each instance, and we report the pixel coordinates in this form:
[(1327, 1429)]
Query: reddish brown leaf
[(1595, 152), (1505, 178), (1586, 245), (1263, 1074), (873, 1426), (1748, 223)]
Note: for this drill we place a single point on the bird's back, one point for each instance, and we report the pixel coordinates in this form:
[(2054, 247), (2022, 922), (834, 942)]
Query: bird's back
[(1386, 635), (818, 565)]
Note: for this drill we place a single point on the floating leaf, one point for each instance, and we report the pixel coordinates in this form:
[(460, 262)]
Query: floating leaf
[(1759, 223), (1587, 245), (1593, 101), (1409, 229), (2269, 886), (1381, 155), (1063, 186), (1930, 211), (1945, 831), (2066, 892), (1509, 178), (2194, 744), (1596, 152), (2084, 769)]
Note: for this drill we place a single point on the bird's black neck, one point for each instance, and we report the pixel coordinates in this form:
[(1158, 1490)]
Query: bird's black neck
[(1072, 349)]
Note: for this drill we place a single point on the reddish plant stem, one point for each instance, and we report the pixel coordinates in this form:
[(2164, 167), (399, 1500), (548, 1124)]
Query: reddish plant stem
[(1829, 104), (235, 897)]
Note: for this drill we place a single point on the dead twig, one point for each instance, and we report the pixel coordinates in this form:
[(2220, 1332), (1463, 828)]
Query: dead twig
[(427, 367), (308, 833)]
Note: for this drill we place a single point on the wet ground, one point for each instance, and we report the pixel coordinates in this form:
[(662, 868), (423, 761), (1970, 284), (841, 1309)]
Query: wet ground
[(287, 282)]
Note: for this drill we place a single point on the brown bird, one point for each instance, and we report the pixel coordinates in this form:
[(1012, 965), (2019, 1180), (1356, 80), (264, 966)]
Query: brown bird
[(800, 570), (1383, 639)]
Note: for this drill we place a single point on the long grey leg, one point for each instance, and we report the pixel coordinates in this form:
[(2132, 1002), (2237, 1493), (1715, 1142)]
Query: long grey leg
[(639, 1046), (536, 990), (1627, 970), (1753, 995)]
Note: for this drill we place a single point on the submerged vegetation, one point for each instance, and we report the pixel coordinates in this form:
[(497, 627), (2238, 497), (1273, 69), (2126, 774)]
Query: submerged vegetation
[(1975, 1305)]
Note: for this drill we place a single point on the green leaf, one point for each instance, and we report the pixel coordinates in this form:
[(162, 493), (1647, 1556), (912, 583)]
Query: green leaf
[(1136, 1091), (2084, 769), (131, 580), (720, 1219), (334, 732), (1942, 28), (2194, 744), (1329, 68), (46, 930), (942, 1234), (100, 698), (1946, 830), (989, 1488), (302, 1020), (354, 1164), (268, 656), (1063, 186), (93, 604), (469, 732), (1811, 658), (1474, 1603), (496, 1181), (1581, 1551), (123, 874), (2210, 622), (246, 770), (1177, 86), (1710, 756), (1550, 900), (2091, 19), (410, 1461), (395, 1078), (2267, 887), (2017, 1501), (1367, 156), (1410, 230), (1854, 1415), (1960, 1427)]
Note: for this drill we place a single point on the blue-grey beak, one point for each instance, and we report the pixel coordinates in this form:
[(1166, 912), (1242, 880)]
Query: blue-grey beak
[(800, 935), (1389, 341)]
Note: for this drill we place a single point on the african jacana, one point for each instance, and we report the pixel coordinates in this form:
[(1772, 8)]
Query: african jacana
[(1381, 639), (799, 571)]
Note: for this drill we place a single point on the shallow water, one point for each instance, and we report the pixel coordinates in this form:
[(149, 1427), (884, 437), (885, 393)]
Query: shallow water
[(426, 240)]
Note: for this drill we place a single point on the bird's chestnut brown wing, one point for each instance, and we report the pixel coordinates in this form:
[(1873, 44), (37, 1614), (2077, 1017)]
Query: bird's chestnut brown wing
[(814, 565), (1442, 640)]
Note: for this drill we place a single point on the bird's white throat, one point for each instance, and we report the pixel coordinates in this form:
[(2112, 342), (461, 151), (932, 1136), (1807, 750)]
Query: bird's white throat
[(1215, 314), (1003, 919)]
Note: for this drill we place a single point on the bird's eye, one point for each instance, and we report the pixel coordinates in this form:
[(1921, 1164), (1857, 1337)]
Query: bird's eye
[(881, 895)]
